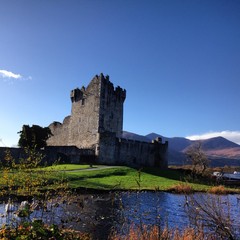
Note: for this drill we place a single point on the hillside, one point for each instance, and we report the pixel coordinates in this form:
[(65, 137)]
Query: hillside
[(133, 136)]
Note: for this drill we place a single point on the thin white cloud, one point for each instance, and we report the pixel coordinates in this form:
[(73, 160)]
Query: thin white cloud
[(8, 74), (10, 77), (233, 136)]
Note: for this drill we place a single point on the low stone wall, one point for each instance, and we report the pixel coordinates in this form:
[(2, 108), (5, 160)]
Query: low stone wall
[(130, 152), (16, 153), (52, 154), (69, 154)]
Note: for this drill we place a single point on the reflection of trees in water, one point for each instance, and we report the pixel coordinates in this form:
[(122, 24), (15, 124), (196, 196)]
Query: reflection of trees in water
[(215, 214), (99, 214), (93, 213), (90, 213)]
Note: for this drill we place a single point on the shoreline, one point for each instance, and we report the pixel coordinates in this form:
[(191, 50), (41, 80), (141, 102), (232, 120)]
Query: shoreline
[(82, 190)]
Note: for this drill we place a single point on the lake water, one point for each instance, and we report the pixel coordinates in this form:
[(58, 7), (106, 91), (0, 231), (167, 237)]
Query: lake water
[(100, 213)]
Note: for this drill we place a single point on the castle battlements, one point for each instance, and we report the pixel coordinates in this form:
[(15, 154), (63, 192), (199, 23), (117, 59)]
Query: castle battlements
[(96, 123)]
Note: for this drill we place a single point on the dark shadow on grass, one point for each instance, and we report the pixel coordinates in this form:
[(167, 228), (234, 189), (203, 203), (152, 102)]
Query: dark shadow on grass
[(95, 185), (166, 173), (100, 175), (177, 174)]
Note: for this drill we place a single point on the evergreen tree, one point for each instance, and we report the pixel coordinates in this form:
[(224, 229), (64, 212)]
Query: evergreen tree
[(34, 137)]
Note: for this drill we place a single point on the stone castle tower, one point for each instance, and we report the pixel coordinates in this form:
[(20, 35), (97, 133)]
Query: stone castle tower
[(95, 109), (94, 129)]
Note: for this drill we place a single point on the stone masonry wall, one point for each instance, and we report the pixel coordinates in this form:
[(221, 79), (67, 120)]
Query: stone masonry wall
[(52, 154), (118, 151), (138, 153), (111, 107), (16, 153), (98, 108), (85, 115), (68, 154), (105, 150), (96, 123), (60, 131)]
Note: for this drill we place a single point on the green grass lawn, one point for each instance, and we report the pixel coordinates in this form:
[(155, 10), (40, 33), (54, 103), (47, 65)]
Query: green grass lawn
[(126, 178), (102, 177), (66, 167)]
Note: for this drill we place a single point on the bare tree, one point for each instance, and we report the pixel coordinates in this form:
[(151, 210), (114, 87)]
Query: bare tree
[(212, 214), (197, 158)]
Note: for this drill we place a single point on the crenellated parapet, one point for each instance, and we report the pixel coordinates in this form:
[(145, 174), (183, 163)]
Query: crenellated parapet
[(96, 123), (120, 93), (108, 90)]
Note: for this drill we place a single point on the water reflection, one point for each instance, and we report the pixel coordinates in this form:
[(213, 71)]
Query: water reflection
[(173, 210), (154, 208), (92, 213), (100, 213)]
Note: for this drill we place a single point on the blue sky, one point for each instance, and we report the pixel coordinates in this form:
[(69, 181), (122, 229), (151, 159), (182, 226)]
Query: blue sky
[(178, 60)]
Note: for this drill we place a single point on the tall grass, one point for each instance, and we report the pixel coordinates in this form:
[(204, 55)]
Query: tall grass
[(156, 233), (183, 188), (218, 190)]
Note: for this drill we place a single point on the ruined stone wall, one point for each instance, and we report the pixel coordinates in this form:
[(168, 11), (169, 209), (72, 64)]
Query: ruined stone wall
[(98, 108), (96, 123), (81, 127), (85, 115), (60, 133), (111, 107), (118, 151)]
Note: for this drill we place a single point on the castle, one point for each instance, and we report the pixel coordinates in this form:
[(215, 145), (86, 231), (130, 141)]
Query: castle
[(94, 129)]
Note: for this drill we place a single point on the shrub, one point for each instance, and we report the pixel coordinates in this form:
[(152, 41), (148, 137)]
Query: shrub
[(181, 188), (38, 230), (218, 190)]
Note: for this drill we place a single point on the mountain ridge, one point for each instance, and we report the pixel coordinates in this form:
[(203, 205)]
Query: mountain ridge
[(219, 150)]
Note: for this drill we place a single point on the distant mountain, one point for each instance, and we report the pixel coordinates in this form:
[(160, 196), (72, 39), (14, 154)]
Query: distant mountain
[(152, 136), (219, 147), (218, 143), (219, 150), (175, 143), (134, 136), (175, 156)]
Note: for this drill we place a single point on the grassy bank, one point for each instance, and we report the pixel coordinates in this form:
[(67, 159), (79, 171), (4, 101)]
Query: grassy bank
[(25, 182), (102, 177)]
